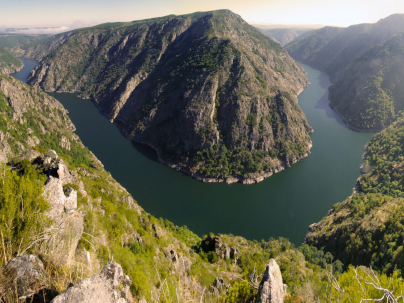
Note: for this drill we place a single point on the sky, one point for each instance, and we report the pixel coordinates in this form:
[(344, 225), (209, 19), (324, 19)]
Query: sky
[(69, 14)]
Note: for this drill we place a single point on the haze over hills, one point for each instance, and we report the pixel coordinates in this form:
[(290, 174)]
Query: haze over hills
[(210, 93), (362, 71), (284, 35)]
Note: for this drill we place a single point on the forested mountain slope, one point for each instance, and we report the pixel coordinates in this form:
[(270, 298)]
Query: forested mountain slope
[(364, 65), (367, 229), (210, 93)]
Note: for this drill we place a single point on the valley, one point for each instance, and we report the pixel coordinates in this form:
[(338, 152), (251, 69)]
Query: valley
[(98, 145), (326, 177)]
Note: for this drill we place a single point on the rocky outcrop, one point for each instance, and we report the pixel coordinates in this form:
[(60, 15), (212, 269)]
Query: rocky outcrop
[(180, 263), (68, 226), (218, 285), (64, 142), (158, 231), (24, 274), (221, 249), (110, 286), (271, 289)]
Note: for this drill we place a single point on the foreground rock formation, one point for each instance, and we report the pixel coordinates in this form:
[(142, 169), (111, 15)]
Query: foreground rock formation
[(271, 289), (24, 275), (110, 286), (67, 228)]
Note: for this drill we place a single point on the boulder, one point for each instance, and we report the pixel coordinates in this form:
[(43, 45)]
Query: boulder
[(110, 286), (271, 289), (25, 274)]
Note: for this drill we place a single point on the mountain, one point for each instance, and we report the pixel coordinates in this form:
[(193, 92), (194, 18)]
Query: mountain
[(363, 64), (211, 94), (284, 35), (8, 63)]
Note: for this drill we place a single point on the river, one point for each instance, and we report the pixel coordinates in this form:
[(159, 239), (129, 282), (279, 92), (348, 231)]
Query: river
[(283, 205)]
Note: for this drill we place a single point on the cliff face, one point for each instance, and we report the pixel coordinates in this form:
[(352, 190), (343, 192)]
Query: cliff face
[(364, 65), (211, 94), (29, 118)]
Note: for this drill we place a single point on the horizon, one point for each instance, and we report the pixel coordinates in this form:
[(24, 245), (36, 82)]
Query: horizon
[(57, 16)]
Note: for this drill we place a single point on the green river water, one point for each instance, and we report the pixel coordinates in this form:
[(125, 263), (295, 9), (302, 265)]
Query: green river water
[(280, 206)]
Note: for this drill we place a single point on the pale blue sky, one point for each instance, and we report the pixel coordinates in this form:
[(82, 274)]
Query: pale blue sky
[(29, 13)]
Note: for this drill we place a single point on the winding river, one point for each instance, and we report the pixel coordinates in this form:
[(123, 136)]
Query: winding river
[(280, 206)]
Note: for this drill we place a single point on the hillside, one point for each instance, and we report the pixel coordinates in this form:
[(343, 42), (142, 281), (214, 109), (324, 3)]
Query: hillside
[(366, 228), (284, 35), (370, 91), (211, 94), (8, 63), (384, 161), (304, 47), (361, 62), (28, 46)]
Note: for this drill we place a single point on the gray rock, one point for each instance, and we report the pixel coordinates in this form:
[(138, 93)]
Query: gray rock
[(50, 157), (222, 250), (30, 155), (25, 272), (181, 264), (68, 225), (110, 286), (60, 170), (271, 289), (64, 143), (158, 232)]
